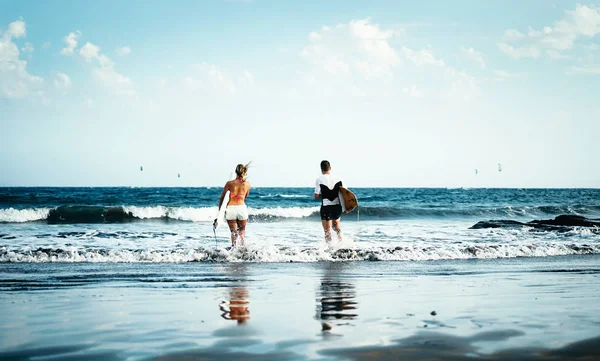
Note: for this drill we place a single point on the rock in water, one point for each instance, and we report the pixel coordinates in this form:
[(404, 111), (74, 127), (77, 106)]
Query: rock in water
[(563, 222)]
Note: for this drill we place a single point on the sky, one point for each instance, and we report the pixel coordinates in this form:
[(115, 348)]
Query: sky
[(392, 93)]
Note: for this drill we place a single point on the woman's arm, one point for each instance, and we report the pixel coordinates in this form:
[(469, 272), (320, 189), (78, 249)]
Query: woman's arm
[(248, 191)]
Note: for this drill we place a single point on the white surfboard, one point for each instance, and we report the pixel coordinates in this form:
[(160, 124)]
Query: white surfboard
[(221, 214)]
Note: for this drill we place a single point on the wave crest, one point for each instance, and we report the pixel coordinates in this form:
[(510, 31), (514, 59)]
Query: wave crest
[(270, 254), (118, 214), (12, 215)]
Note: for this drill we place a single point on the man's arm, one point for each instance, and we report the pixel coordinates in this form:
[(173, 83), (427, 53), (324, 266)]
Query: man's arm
[(317, 190)]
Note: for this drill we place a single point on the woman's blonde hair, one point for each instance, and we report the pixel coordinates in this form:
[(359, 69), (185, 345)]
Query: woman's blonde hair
[(242, 170)]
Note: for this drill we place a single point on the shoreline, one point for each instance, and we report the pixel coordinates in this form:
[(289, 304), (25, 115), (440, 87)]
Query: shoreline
[(329, 310)]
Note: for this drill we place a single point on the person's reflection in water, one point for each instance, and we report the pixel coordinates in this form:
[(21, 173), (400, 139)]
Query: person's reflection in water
[(236, 308), (335, 297)]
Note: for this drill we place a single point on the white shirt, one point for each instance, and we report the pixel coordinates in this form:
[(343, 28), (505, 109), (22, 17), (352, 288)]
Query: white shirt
[(328, 180)]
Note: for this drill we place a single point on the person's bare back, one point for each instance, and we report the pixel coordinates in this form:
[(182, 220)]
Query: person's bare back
[(238, 191)]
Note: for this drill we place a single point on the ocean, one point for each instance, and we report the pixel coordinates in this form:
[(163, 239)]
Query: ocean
[(175, 225), (138, 274)]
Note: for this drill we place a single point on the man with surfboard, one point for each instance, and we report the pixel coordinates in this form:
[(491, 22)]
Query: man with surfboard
[(236, 212), (327, 188)]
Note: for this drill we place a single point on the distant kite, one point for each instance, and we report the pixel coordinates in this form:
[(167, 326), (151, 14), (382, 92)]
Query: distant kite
[(476, 172), (499, 167), (178, 175), (141, 168)]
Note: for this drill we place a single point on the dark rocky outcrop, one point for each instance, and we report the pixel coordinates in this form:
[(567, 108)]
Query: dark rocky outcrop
[(560, 223)]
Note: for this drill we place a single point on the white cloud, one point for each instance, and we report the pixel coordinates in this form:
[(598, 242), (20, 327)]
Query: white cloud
[(474, 55), (356, 47), (111, 79), (586, 70), (359, 59), (89, 51), (511, 35), (16, 29), (414, 92), (422, 57), (502, 75), (46, 45), (592, 47), (584, 21), (62, 82), (122, 51), (205, 80), (247, 78), (522, 52), (27, 48), (210, 76), (71, 41), (557, 55), (104, 71), (15, 80)]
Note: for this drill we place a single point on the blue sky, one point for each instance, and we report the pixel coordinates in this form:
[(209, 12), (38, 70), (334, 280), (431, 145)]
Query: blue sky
[(393, 93)]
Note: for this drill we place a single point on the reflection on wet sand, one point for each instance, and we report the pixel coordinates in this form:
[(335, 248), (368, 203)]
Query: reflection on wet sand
[(235, 308), (432, 346), (335, 297)]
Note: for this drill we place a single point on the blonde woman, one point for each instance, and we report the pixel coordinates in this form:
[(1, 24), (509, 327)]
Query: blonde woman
[(236, 212)]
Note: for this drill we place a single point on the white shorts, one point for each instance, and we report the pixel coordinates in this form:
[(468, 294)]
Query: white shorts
[(236, 213)]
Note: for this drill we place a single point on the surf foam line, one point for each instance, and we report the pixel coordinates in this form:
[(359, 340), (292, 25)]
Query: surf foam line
[(123, 214), (277, 254), (12, 215)]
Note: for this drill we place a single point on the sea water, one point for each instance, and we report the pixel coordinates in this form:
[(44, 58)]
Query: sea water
[(175, 225), (137, 274)]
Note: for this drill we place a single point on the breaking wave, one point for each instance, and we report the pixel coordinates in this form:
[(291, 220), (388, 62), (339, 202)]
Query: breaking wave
[(100, 214), (271, 254), (121, 214)]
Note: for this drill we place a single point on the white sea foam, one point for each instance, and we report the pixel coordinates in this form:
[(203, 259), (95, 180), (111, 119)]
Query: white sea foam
[(207, 214), (180, 213), (284, 212), (147, 212), (284, 196), (12, 215), (202, 214), (274, 253)]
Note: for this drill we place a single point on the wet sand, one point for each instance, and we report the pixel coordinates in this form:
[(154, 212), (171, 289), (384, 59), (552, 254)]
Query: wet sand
[(512, 309)]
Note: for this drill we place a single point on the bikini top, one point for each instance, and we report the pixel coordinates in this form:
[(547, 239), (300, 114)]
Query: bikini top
[(238, 197)]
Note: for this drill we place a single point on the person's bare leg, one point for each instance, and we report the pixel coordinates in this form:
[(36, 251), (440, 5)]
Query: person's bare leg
[(234, 232), (337, 228), (241, 227), (327, 229)]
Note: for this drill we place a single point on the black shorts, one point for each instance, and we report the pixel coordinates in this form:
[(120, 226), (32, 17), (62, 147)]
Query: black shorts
[(331, 213)]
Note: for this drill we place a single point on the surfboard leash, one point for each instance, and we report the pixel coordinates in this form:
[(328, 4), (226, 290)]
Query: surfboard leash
[(215, 232)]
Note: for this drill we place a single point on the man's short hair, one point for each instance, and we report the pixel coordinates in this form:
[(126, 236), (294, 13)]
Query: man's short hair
[(325, 166)]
